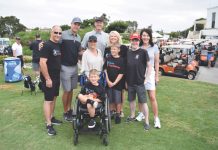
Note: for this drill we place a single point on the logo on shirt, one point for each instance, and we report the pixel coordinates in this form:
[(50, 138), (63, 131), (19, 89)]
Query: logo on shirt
[(56, 52), (137, 56)]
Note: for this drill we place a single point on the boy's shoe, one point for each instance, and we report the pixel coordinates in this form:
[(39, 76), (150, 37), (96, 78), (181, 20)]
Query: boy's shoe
[(68, 117), (91, 124), (112, 114), (121, 114), (95, 104), (129, 119), (157, 123), (55, 121), (70, 113), (146, 127), (50, 130), (140, 116), (117, 119)]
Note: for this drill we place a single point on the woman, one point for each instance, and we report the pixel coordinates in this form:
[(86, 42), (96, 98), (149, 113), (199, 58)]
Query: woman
[(153, 52), (114, 39), (92, 57)]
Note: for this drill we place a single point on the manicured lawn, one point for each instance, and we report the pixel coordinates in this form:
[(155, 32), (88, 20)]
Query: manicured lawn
[(188, 112)]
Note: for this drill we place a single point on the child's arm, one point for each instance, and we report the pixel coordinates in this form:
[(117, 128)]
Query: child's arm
[(119, 77), (107, 79)]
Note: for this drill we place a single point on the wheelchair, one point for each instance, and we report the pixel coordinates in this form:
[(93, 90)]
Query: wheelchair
[(81, 116)]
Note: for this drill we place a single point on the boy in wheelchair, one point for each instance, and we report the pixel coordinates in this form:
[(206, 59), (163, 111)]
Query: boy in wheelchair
[(91, 94)]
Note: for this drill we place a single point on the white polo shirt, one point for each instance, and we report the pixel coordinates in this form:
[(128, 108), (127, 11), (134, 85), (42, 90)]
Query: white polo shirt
[(18, 49)]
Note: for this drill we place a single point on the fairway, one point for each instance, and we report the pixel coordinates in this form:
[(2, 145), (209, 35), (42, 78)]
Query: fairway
[(188, 112)]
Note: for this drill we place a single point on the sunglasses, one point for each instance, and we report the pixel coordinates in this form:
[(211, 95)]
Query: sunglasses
[(135, 40), (58, 33), (92, 41)]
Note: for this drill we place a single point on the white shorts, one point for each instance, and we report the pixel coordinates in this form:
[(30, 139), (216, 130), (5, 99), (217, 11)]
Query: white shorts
[(150, 84)]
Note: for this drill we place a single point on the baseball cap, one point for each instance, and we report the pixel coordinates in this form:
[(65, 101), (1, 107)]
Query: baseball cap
[(92, 38), (76, 20), (17, 38), (37, 35), (99, 19), (134, 36)]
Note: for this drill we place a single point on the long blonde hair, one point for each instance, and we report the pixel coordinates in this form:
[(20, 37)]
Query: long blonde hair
[(117, 35)]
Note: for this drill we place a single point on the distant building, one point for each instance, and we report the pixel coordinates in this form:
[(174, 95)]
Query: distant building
[(211, 29), (196, 34), (210, 24)]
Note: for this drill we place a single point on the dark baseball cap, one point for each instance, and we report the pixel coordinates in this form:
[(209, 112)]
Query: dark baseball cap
[(37, 35), (76, 20), (17, 38), (92, 38), (99, 19)]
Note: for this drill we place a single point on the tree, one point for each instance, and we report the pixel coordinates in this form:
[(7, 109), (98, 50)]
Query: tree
[(87, 23), (132, 26), (119, 26), (10, 25), (90, 22), (65, 27)]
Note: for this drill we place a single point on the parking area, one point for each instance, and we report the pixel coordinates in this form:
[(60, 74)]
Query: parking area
[(209, 75)]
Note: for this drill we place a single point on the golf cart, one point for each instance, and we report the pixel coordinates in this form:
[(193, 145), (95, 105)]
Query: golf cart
[(5, 48), (203, 55), (174, 62)]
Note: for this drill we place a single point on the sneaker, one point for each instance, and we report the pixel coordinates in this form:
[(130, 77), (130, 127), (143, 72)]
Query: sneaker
[(129, 119), (50, 130), (67, 117), (70, 112), (91, 124), (146, 127), (121, 114), (140, 116), (117, 119), (112, 114), (95, 104), (55, 121), (157, 123)]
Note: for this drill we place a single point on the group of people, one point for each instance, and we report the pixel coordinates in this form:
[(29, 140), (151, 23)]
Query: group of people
[(133, 68)]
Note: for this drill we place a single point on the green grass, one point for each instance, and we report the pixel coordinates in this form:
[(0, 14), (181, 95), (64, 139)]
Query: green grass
[(188, 112)]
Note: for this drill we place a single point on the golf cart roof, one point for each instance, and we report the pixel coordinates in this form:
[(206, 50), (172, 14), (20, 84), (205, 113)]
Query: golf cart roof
[(178, 46), (213, 41)]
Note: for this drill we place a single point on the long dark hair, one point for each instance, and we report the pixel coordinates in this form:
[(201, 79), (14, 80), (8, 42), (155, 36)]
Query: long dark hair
[(149, 32)]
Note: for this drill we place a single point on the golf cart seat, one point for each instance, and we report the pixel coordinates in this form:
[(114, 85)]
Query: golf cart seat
[(172, 64)]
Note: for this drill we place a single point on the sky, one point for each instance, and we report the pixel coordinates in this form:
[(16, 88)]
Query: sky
[(166, 15)]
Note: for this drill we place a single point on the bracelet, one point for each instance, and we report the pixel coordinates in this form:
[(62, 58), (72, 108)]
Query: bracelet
[(47, 79)]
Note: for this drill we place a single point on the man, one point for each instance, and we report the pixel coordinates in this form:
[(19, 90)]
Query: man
[(102, 37), (70, 49), (210, 51), (50, 65), (18, 50), (34, 46)]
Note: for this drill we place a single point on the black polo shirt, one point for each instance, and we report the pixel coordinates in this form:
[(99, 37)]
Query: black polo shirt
[(70, 48)]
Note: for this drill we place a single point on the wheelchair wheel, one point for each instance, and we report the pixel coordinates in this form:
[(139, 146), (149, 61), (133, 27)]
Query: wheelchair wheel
[(75, 138), (105, 140), (108, 122)]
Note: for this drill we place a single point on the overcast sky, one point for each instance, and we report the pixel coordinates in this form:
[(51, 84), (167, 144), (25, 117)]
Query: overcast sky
[(169, 15)]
